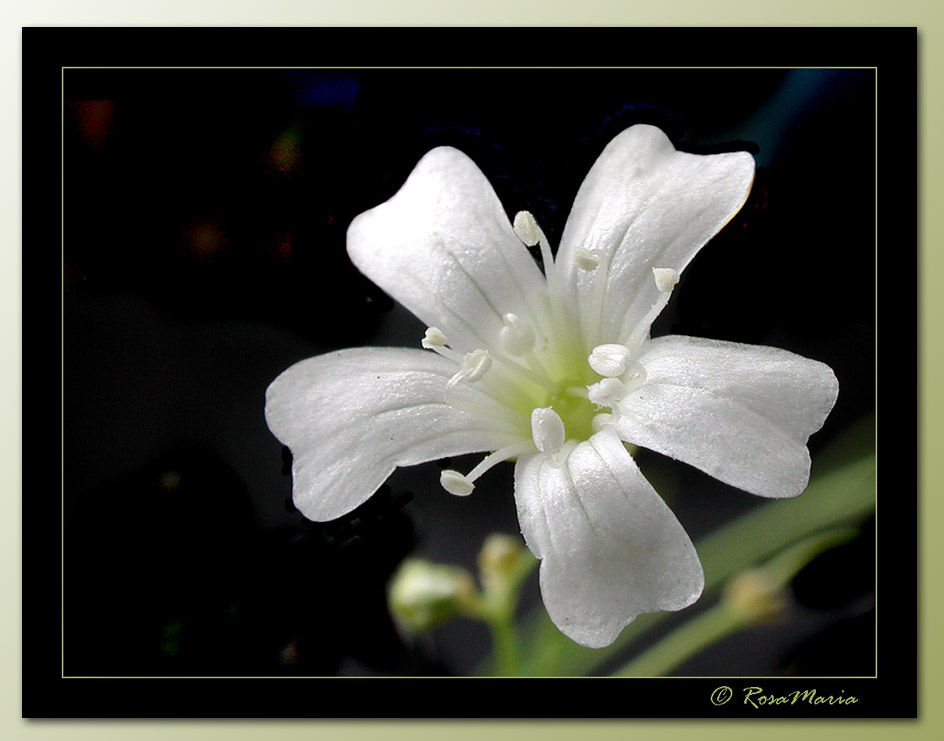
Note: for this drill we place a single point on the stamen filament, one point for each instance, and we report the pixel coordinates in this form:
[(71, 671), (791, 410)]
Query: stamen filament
[(448, 352), (600, 278), (641, 332), (530, 232), (461, 485), (665, 279), (503, 454), (541, 379)]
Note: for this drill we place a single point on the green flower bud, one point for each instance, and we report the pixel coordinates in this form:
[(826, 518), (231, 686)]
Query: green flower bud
[(755, 596), (503, 562), (423, 595)]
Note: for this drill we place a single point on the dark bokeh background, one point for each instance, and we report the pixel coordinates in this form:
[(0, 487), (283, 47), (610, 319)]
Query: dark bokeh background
[(205, 214)]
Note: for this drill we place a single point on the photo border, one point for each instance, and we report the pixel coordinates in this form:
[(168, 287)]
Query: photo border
[(47, 51)]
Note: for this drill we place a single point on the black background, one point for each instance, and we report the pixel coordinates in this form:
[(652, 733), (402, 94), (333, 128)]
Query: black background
[(202, 252)]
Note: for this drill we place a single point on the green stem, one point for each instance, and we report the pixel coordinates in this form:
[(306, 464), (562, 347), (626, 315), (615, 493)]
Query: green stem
[(506, 645), (688, 640), (504, 564), (727, 617)]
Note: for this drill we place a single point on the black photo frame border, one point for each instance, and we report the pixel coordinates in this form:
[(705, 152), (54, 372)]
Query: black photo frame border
[(46, 51)]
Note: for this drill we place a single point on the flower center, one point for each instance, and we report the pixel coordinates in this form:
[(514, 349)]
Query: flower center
[(575, 409), (536, 377)]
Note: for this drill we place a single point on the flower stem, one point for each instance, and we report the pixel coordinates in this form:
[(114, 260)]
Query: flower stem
[(753, 597), (506, 645), (688, 640), (504, 564)]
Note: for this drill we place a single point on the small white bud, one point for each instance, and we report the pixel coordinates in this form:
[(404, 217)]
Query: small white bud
[(609, 360), (527, 228), (607, 392), (666, 278), (455, 483), (547, 430), (434, 338), (516, 336), (586, 259)]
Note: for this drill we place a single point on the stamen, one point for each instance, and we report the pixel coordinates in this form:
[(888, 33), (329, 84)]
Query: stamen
[(609, 360), (607, 392), (434, 338), (586, 259), (599, 279), (475, 365), (516, 336), (463, 485), (547, 430), (455, 483), (529, 232), (526, 227), (472, 367), (666, 278)]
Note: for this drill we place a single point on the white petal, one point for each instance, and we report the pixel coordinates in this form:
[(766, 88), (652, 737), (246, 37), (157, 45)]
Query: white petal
[(444, 248), (741, 413), (351, 417), (610, 548), (643, 205)]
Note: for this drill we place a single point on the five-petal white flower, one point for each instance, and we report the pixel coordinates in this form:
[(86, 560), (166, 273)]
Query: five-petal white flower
[(557, 371)]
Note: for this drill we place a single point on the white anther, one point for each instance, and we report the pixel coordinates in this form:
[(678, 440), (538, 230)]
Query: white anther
[(472, 367), (586, 259), (609, 360), (601, 420), (516, 336), (475, 365), (547, 430), (607, 392), (455, 483), (434, 337), (527, 228), (666, 278)]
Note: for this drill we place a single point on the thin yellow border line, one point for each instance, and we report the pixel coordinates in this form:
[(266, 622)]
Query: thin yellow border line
[(62, 378)]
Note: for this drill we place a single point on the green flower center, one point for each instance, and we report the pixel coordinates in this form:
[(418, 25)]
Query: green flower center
[(575, 410)]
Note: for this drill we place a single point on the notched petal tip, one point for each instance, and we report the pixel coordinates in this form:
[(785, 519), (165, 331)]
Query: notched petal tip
[(352, 417), (740, 413), (610, 548), (644, 204)]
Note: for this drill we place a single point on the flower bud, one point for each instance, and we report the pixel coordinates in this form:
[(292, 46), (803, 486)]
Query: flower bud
[(503, 561), (423, 594), (755, 596)]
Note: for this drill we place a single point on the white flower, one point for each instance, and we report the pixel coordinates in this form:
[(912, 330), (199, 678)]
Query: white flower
[(557, 372)]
